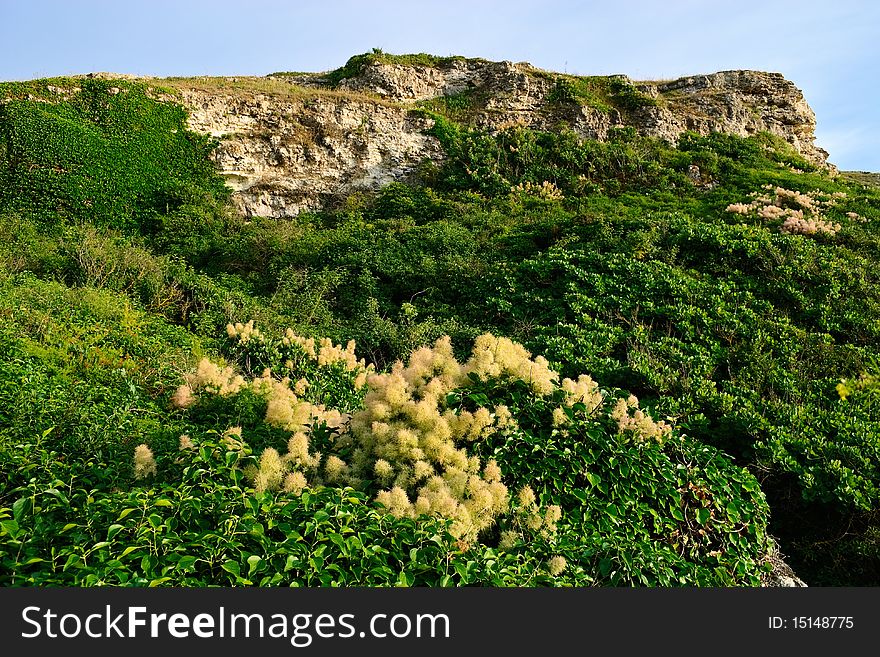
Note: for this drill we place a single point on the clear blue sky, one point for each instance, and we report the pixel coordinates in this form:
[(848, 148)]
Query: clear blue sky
[(830, 49)]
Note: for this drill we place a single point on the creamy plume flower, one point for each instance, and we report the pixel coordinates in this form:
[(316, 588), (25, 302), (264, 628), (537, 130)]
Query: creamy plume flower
[(295, 482), (556, 565), (144, 462)]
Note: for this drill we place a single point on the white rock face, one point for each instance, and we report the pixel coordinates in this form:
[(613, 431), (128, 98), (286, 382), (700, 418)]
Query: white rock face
[(282, 156), (736, 102), (284, 153)]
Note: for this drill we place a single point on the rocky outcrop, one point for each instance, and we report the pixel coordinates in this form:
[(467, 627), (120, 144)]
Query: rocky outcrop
[(735, 102), (300, 144), (781, 575), (284, 155)]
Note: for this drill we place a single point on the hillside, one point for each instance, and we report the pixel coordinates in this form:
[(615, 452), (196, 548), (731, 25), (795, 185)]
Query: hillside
[(434, 321), (292, 142)]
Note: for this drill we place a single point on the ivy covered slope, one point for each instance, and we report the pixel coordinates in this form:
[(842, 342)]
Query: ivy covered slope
[(572, 362)]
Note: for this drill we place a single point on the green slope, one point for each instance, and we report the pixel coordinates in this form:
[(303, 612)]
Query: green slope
[(751, 331)]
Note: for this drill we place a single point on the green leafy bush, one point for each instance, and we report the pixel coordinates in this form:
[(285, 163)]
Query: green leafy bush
[(757, 347), (443, 439), (103, 151)]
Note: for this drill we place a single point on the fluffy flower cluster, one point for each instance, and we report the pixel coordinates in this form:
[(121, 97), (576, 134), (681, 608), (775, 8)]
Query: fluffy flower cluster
[(855, 216), (144, 462), (799, 212), (210, 378), (328, 353), (243, 332), (556, 565), (583, 391), (298, 468), (546, 190), (501, 358), (270, 473), (307, 344), (285, 409), (529, 519), (634, 421), (407, 440), (325, 354), (739, 208), (812, 226)]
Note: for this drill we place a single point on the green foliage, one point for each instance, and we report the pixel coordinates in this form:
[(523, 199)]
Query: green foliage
[(120, 265), (459, 108), (491, 165), (103, 151), (702, 519), (356, 64), (658, 331), (84, 365), (602, 93), (207, 528)]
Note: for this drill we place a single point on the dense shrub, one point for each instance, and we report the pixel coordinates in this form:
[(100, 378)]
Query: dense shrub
[(101, 151), (515, 459), (748, 335)]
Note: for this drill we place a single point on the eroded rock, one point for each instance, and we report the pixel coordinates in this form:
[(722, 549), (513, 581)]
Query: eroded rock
[(283, 153)]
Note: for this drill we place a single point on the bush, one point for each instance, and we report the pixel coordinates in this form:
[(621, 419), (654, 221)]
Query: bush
[(100, 150), (514, 459)]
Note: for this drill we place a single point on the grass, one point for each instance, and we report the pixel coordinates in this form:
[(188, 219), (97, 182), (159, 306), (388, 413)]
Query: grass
[(249, 86), (864, 178), (356, 64)]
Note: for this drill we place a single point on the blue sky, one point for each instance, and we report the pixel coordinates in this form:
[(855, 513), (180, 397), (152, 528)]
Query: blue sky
[(828, 49)]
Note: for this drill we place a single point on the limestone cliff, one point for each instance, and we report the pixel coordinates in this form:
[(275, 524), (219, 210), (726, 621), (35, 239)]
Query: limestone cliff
[(294, 142)]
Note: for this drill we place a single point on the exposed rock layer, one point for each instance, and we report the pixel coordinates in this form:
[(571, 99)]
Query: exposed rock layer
[(283, 155), (298, 146)]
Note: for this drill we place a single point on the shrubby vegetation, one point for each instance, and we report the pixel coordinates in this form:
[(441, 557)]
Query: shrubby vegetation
[(221, 505), (574, 363), (355, 65)]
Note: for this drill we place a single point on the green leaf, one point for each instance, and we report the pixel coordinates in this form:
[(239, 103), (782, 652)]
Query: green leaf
[(112, 530), (162, 502), (125, 513), (186, 562), (72, 560), (20, 507), (594, 479), (54, 492), (232, 567), (148, 563), (703, 515), (9, 527), (254, 562)]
